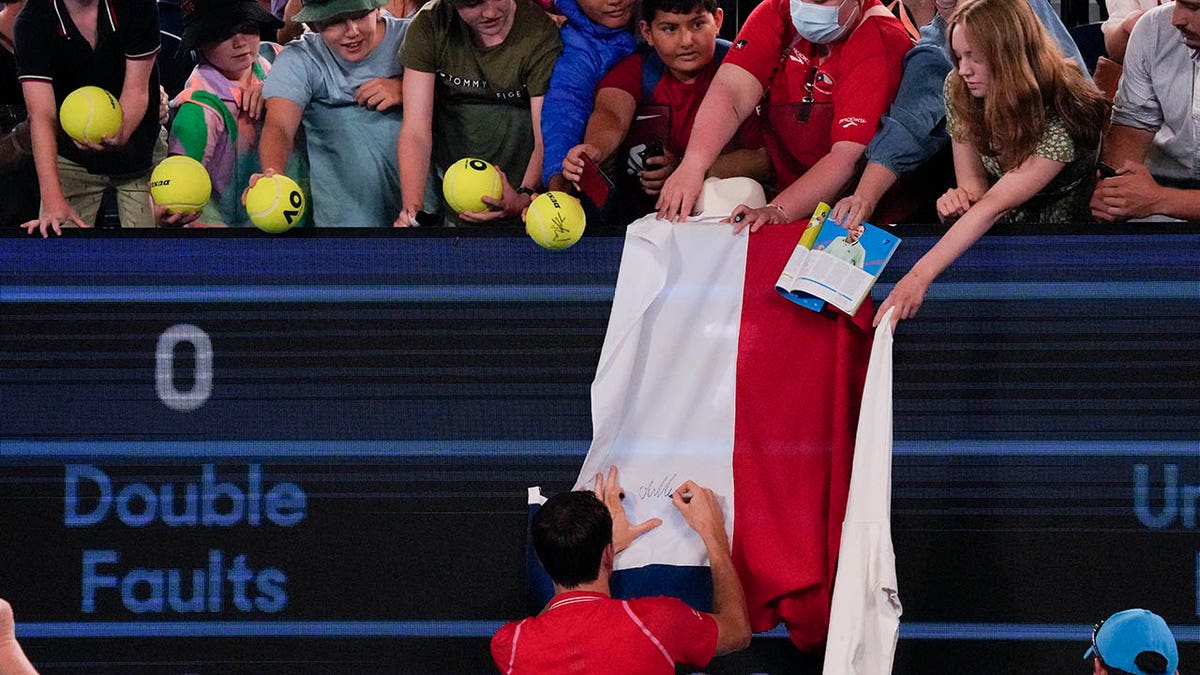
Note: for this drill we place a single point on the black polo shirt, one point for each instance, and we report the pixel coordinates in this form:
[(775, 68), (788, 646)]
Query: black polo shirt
[(51, 49)]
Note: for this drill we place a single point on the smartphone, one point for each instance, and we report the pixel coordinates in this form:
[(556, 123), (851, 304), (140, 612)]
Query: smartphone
[(1106, 170), (653, 150), (593, 182)]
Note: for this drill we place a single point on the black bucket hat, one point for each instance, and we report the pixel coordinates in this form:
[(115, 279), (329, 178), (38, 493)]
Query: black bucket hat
[(213, 20)]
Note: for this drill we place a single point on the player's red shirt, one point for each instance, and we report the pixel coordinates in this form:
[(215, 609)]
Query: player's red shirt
[(849, 90), (585, 632)]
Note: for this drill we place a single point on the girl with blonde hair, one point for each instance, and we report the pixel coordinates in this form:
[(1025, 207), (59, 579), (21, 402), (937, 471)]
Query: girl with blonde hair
[(1025, 125)]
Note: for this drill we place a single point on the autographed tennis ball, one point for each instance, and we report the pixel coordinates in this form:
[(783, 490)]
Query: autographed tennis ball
[(90, 114), (275, 203), (555, 220), (469, 179), (181, 184)]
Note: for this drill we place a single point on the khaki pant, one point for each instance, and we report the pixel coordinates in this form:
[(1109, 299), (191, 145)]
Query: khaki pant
[(83, 190)]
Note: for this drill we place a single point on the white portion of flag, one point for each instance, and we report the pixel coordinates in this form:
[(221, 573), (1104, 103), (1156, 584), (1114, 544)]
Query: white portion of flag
[(663, 397)]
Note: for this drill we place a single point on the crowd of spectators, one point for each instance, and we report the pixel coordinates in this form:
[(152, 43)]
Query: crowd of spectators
[(828, 101)]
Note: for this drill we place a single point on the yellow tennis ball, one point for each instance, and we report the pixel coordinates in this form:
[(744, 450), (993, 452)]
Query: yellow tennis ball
[(469, 179), (555, 220), (89, 114), (181, 184), (275, 203)]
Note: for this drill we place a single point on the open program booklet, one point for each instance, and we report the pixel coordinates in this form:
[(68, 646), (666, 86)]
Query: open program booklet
[(833, 265)]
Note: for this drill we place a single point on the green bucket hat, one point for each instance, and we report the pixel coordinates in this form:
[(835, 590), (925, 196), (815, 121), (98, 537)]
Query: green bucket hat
[(324, 10)]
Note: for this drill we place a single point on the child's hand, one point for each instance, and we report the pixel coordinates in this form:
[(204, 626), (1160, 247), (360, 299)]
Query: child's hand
[(254, 179), (54, 216), (510, 205), (573, 163), (163, 217), (380, 93), (907, 296), (952, 205), (854, 209), (251, 102), (652, 179)]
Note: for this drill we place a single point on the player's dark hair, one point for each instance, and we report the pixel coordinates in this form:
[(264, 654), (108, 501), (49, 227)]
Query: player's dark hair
[(570, 533), (651, 8)]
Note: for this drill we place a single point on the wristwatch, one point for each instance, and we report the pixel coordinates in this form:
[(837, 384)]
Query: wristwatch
[(524, 191)]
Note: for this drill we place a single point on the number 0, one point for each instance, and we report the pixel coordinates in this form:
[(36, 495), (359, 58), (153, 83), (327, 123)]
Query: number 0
[(164, 367)]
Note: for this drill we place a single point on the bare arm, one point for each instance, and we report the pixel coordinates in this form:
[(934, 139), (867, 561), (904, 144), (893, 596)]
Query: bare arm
[(1126, 144), (851, 210), (43, 120), (291, 30), (1115, 41), (606, 129), (533, 170), (754, 163), (1134, 193), (1013, 189), (416, 143), (822, 182), (730, 99), (703, 514), (279, 133), (135, 96)]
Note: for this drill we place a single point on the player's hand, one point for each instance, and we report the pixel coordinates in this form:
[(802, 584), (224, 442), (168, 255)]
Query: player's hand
[(573, 163), (251, 102), (610, 492), (952, 205), (510, 205), (664, 165), (852, 210), (701, 509), (380, 93), (744, 216), (7, 623), (907, 296), (1132, 193), (679, 192), (54, 216)]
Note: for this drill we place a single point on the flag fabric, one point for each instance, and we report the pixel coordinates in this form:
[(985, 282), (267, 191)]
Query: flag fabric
[(708, 374), (865, 619)]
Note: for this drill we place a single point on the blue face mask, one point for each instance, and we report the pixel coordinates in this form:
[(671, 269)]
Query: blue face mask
[(819, 23)]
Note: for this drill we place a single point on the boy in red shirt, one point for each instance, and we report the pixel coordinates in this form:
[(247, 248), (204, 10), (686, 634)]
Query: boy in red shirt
[(646, 105)]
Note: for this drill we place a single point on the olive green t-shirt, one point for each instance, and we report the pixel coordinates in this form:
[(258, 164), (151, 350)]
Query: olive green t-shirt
[(481, 95)]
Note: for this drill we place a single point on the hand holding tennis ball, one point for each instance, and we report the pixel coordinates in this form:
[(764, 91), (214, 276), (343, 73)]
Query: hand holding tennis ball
[(90, 115), (274, 202)]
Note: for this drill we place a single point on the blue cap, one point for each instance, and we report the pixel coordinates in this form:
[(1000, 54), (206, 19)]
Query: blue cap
[(1126, 634)]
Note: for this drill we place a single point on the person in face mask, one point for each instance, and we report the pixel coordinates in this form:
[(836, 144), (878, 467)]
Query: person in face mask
[(825, 72)]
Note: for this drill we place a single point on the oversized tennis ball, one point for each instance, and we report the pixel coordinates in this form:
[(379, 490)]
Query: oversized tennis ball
[(275, 203), (555, 220), (469, 179), (180, 184), (89, 114)]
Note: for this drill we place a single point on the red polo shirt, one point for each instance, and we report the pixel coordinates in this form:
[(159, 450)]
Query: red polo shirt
[(586, 632), (850, 82)]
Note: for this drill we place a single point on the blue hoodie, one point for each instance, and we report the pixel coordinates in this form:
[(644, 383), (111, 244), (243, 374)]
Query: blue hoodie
[(589, 52)]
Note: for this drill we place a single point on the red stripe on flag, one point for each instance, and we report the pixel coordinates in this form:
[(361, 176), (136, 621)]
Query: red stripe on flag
[(799, 386)]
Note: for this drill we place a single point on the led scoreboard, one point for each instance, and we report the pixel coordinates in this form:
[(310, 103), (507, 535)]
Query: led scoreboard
[(237, 449)]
